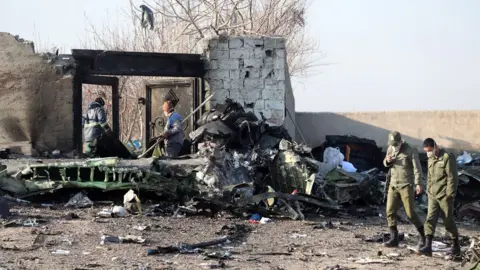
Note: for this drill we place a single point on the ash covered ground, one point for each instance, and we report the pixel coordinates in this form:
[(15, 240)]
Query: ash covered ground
[(317, 243)]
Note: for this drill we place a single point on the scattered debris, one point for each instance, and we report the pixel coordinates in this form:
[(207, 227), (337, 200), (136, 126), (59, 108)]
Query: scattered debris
[(80, 200), (296, 235), (187, 248), (120, 240), (116, 211), (141, 228), (61, 252), (71, 216), (373, 261)]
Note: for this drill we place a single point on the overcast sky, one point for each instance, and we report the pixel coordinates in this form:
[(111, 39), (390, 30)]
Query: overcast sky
[(387, 55)]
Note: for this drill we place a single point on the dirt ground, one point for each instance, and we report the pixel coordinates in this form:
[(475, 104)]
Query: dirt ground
[(32, 247)]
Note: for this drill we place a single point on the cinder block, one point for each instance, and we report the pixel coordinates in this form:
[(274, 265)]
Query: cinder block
[(222, 45), (215, 85), (213, 43), (241, 53), (222, 94), (268, 63), (236, 84), (253, 63), (253, 42), (259, 105), (280, 74), (250, 96), (279, 63), (229, 64), (219, 74), (273, 95), (274, 43), (211, 65), (253, 73), (218, 54), (280, 53), (235, 43), (274, 105), (280, 43), (253, 84), (259, 53), (235, 74), (267, 73), (266, 113), (235, 95)]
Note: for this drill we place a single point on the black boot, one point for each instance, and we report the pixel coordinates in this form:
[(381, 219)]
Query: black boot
[(421, 237), (427, 248), (455, 251), (393, 242)]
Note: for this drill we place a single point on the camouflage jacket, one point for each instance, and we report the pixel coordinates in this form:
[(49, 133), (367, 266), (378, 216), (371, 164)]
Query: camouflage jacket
[(442, 176), (405, 167)]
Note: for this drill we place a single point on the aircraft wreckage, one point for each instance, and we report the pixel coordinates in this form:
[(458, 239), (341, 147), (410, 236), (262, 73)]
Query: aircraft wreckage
[(242, 162)]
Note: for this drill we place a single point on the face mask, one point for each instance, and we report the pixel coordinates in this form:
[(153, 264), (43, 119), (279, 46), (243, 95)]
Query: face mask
[(430, 154), (165, 113), (396, 148)]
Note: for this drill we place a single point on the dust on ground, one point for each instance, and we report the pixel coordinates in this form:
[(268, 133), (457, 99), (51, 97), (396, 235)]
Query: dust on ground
[(299, 245)]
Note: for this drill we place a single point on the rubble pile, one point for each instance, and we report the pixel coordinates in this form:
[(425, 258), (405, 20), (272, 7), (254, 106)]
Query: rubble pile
[(243, 165), (241, 149), (467, 202)]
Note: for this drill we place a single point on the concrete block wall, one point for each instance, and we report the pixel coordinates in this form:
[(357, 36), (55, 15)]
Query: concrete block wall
[(35, 102), (249, 70)]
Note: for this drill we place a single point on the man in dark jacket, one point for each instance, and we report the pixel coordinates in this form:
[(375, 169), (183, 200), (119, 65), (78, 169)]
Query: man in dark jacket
[(94, 126)]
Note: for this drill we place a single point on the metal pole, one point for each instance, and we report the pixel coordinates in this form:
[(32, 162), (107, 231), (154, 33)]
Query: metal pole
[(298, 129), (194, 111)]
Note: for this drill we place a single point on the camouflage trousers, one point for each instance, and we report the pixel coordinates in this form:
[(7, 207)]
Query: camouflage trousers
[(395, 198), (444, 206)]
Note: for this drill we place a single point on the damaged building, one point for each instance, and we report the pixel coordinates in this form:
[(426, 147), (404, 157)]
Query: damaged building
[(244, 155)]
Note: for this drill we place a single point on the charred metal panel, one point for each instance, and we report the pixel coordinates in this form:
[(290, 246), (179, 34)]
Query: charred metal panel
[(139, 63)]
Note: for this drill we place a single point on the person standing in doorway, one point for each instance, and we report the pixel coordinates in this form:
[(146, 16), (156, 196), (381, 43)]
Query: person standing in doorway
[(442, 184), (173, 133), (404, 165), (94, 126)]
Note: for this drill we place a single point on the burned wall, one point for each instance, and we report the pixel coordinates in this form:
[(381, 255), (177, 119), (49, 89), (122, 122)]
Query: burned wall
[(456, 130), (252, 71), (35, 102)]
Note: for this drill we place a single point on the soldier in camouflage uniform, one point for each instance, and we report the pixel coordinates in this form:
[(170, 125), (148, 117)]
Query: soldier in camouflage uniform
[(441, 189), (404, 164)]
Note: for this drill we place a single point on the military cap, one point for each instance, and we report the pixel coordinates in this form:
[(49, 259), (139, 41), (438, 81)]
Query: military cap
[(394, 138)]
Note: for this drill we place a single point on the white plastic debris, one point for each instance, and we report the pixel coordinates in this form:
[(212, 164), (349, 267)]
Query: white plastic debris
[(465, 158), (105, 213), (296, 235), (333, 156), (61, 252), (265, 220), (348, 167), (119, 211)]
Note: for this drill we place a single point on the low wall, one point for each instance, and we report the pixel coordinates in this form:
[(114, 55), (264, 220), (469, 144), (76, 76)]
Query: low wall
[(35, 103), (458, 130)]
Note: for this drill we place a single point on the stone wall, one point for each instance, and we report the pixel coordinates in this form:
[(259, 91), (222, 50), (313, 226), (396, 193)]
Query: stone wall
[(456, 130), (252, 71), (35, 103)]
